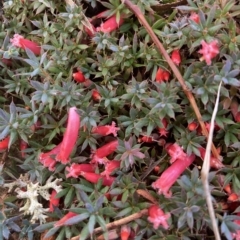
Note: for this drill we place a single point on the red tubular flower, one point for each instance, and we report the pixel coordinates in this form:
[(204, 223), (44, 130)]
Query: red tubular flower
[(175, 152), (209, 51), (19, 41), (110, 167), (100, 154), (194, 17), (192, 126), (214, 162), (94, 178), (96, 95), (70, 136), (171, 174), (48, 162), (162, 75), (23, 146), (125, 232), (75, 169), (163, 130), (157, 217), (79, 77), (47, 158), (176, 57), (62, 221), (106, 130), (110, 24), (53, 201), (4, 144)]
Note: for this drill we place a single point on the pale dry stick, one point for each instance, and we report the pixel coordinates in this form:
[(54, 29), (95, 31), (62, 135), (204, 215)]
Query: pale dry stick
[(135, 9), (147, 195), (206, 167), (118, 223)]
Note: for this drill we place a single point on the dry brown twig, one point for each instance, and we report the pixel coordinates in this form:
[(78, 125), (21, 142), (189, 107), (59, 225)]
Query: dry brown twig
[(118, 223), (206, 167), (135, 9)]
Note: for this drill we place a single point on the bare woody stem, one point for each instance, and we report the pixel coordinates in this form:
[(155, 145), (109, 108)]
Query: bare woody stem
[(118, 223), (135, 9)]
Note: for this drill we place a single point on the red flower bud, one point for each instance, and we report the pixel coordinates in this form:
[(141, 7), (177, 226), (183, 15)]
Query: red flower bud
[(194, 17), (192, 126), (70, 136), (36, 126), (162, 75), (53, 201), (237, 117), (6, 61), (110, 24), (163, 130), (62, 221), (96, 95), (176, 57), (207, 125), (228, 189), (233, 197), (19, 41), (158, 217), (23, 146), (106, 130), (4, 144), (234, 109), (79, 77), (156, 169)]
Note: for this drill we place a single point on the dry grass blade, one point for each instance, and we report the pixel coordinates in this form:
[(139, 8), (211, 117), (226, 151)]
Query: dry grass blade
[(206, 167)]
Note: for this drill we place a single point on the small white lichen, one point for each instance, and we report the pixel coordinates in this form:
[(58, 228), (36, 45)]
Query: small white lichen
[(21, 182), (32, 206)]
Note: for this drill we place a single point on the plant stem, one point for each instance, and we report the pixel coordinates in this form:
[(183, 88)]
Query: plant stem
[(117, 223), (205, 170), (135, 9)]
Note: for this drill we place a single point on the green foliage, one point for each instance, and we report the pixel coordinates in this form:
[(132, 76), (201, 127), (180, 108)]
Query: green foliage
[(38, 90)]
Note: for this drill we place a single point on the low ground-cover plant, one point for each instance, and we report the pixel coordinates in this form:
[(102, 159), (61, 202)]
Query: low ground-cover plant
[(98, 134)]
